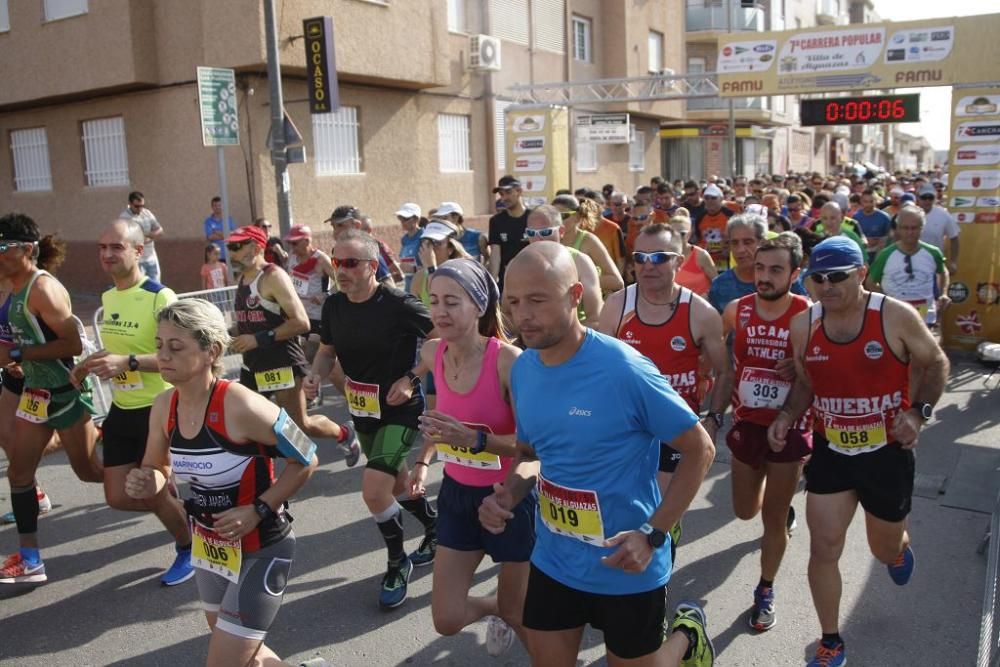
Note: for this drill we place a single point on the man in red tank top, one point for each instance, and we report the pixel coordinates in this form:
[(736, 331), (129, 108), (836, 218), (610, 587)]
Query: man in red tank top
[(673, 327), (855, 352), (764, 480)]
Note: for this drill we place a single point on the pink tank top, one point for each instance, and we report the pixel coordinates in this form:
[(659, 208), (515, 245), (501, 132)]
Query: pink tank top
[(484, 406)]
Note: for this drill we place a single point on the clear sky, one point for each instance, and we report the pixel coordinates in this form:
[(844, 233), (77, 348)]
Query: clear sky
[(935, 103)]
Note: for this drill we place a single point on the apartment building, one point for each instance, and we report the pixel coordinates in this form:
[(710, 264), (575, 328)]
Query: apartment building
[(99, 97)]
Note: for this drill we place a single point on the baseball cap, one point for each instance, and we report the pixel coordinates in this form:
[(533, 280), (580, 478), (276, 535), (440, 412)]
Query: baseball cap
[(408, 210), (907, 197), (756, 209), (712, 191), (248, 233), (343, 214), (447, 208), (298, 232), (506, 183), (898, 191), (438, 230), (927, 190), (837, 253)]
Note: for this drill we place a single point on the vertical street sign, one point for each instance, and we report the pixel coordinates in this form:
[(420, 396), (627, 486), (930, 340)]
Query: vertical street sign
[(220, 125), (321, 64)]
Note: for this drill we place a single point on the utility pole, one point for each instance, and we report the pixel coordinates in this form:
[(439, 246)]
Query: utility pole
[(279, 157), (730, 9)]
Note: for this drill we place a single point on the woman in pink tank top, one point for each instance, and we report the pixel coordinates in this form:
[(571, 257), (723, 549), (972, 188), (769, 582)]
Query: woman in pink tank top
[(472, 432)]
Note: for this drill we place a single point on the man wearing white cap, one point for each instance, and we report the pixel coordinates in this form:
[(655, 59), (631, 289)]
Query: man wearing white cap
[(471, 239), (311, 272), (409, 245), (938, 226), (710, 226)]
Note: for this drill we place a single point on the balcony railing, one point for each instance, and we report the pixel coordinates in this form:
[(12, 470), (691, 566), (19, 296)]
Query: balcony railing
[(739, 103), (701, 16)]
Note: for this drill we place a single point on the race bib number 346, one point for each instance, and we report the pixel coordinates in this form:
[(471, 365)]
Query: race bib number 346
[(574, 513)]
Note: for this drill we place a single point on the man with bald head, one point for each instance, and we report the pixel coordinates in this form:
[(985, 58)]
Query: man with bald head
[(128, 362), (833, 223), (601, 555)]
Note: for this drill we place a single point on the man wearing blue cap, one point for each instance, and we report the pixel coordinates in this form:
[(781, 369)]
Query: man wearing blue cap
[(855, 352)]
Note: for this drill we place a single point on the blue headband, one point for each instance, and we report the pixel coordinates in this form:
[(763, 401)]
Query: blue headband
[(474, 279)]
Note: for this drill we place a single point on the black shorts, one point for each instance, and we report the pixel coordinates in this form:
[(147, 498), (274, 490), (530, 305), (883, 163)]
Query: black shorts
[(458, 524), (12, 384), (669, 458), (125, 433), (883, 479), (633, 625)]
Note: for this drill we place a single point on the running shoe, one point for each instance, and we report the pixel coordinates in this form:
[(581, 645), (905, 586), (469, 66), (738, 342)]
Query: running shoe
[(424, 555), (902, 569), (829, 655), (44, 507), (16, 570), (394, 584), (790, 523), (762, 617), (181, 570), (499, 636), (690, 618), (351, 445)]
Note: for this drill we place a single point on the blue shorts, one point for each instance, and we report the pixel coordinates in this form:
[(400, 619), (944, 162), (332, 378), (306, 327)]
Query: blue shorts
[(458, 524)]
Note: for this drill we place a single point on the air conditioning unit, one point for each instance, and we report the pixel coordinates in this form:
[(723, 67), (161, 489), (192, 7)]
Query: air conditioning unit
[(484, 53), (668, 71)]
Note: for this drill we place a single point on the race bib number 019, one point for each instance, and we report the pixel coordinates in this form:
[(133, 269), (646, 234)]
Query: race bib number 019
[(34, 406), (853, 435), (574, 513), (275, 379), (127, 381), (362, 399), (214, 554), (762, 388)]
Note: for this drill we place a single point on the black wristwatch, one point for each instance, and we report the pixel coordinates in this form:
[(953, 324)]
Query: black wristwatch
[(413, 377), (656, 537), (15, 354), (264, 510), (925, 410), (718, 417), (133, 363)]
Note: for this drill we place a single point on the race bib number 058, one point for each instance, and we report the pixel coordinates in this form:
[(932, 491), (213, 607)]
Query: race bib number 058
[(855, 434), (574, 513)]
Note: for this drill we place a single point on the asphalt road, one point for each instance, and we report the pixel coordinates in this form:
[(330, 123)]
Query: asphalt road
[(103, 604)]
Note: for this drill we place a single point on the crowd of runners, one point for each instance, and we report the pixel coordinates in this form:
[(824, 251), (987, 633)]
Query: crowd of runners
[(794, 313)]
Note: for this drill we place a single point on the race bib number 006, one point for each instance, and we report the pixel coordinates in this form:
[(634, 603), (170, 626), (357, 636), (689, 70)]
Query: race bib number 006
[(214, 554), (574, 513)]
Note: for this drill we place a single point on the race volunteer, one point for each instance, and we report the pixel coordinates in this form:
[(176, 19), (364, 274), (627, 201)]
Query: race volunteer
[(673, 327), (600, 554), (472, 432), (269, 319), (373, 330), (46, 338), (764, 481), (128, 362), (855, 352), (221, 438)]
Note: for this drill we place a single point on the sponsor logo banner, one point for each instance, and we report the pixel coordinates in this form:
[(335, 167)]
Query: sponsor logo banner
[(978, 105), (529, 163), (976, 179), (973, 155)]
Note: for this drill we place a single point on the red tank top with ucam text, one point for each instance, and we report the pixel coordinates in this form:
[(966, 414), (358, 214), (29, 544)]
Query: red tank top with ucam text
[(859, 386), (669, 345), (758, 345)]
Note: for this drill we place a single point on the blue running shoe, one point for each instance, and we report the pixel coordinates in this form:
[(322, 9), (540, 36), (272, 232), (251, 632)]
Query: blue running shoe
[(181, 570), (902, 569), (763, 618), (394, 584), (424, 555), (829, 655)]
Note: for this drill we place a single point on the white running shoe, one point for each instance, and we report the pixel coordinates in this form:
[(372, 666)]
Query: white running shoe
[(499, 636)]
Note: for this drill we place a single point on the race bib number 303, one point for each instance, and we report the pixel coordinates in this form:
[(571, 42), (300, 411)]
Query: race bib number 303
[(214, 554), (362, 399), (574, 513), (855, 434), (762, 388)]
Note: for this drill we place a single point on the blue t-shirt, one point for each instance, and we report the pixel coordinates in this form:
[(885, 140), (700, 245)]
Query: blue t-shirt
[(470, 241), (409, 247), (605, 442), (876, 225), (728, 286), (212, 226)]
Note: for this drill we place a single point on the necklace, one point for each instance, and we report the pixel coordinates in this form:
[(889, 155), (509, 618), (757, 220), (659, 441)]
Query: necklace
[(459, 367)]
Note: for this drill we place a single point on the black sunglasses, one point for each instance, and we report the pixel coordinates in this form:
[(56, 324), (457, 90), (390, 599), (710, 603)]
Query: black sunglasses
[(831, 277), (234, 246), (348, 262)]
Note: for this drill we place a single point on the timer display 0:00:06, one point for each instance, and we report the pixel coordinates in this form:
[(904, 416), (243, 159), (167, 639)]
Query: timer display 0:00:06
[(855, 110)]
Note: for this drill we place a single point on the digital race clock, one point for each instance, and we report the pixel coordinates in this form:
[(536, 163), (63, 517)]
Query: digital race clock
[(860, 110)]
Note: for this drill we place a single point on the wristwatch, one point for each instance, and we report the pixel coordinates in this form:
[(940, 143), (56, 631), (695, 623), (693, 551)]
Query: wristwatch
[(15, 354), (133, 363), (480, 442), (718, 417), (264, 510), (656, 537), (925, 410), (413, 377)]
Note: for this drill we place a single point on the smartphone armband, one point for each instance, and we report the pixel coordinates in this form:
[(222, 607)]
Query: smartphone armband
[(292, 442)]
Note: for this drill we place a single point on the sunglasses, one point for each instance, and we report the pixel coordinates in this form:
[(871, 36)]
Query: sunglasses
[(5, 246), (831, 277), (437, 243), (567, 214), (653, 257), (641, 218), (237, 245), (350, 262), (543, 233), (908, 266), (927, 196)]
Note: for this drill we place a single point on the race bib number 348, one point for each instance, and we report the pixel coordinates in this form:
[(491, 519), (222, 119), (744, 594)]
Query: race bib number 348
[(574, 513), (362, 399)]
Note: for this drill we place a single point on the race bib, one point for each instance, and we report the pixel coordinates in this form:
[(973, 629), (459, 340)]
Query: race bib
[(762, 388), (574, 513), (274, 380), (854, 435), (214, 554), (127, 381), (34, 406), (300, 283), (362, 399), (923, 307)]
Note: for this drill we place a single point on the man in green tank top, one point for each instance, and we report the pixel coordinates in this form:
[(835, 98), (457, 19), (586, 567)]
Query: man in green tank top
[(46, 338), (128, 362)]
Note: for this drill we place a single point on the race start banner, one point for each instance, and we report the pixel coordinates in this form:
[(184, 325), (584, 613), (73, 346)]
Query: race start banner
[(974, 200), (538, 151)]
